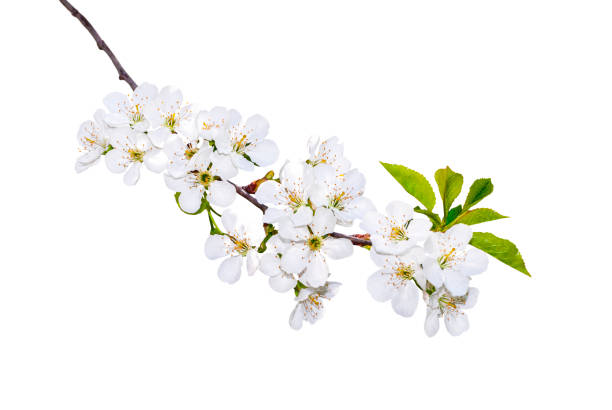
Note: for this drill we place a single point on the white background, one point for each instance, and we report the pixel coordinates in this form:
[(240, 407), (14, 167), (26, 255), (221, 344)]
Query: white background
[(106, 298)]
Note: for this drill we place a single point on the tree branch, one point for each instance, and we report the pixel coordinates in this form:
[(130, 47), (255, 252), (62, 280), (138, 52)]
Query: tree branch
[(358, 240), (123, 75)]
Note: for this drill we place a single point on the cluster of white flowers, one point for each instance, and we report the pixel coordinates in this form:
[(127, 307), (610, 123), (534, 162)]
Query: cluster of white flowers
[(200, 151)]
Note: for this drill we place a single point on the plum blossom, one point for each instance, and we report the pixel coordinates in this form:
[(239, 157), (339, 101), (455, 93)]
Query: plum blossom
[(330, 152), (290, 196), (397, 280), (452, 260), (245, 144), (311, 245), (203, 177), (128, 110), (93, 141), (130, 150), (311, 303), (236, 246), (212, 124), (342, 194), (397, 231), (443, 304), (167, 115), (270, 265)]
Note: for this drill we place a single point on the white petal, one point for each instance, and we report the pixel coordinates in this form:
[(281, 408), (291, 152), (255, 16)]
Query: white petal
[(282, 283), (230, 269), (270, 265), (362, 207), (223, 166), (156, 160), (229, 219), (175, 184), (476, 261), (337, 248), (461, 233), (215, 246), (472, 298), (323, 222), (117, 161), (297, 317), (133, 174), (303, 216), (433, 273), (288, 231), (399, 210), (379, 288), (419, 229), (272, 215), (294, 259), (264, 153), (160, 136), (456, 283), (259, 126), (267, 192), (252, 261), (456, 322), (241, 162), (221, 193), (405, 301), (432, 323), (190, 200), (317, 272)]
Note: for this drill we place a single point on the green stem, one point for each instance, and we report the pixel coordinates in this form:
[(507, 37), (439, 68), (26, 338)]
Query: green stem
[(214, 229), (270, 232)]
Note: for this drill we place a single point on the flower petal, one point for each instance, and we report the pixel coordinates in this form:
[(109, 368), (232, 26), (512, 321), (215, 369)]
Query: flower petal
[(405, 301), (156, 160), (294, 259), (252, 261), (303, 216), (270, 265), (432, 323), (215, 246), (264, 153), (323, 222), (456, 283), (221, 193), (400, 211), (133, 174), (456, 322), (190, 200), (379, 288), (317, 272), (337, 248), (230, 269), (282, 283), (297, 317), (258, 126)]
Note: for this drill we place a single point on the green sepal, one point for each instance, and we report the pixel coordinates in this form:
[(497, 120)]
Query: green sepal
[(108, 149), (450, 184), (299, 286), (480, 189), (414, 183), (501, 249)]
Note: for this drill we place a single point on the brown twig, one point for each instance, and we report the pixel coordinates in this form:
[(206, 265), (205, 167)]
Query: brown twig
[(358, 240), (123, 75)]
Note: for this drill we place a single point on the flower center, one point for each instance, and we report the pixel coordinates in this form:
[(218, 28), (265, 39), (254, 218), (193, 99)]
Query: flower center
[(315, 243), (136, 155), (240, 144), (337, 201), (190, 152), (294, 200), (241, 246), (446, 260), (447, 302), (204, 178), (171, 121), (400, 233), (137, 116), (404, 272)]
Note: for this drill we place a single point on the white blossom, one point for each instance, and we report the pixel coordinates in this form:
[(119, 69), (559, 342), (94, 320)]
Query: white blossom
[(212, 124), (167, 115), (245, 144), (311, 245), (342, 194), (270, 265), (443, 304), (396, 279), (397, 231), (311, 303), (93, 141), (128, 110), (130, 150), (235, 246), (290, 196), (203, 176), (452, 260), (330, 152)]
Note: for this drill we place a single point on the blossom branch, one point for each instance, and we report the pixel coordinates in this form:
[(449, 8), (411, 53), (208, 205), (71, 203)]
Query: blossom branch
[(123, 75)]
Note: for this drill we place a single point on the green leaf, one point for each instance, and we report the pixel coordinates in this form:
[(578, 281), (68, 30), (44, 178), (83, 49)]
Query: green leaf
[(449, 184), (478, 191), (453, 213), (479, 215), (414, 183), (203, 206), (501, 249), (433, 217)]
